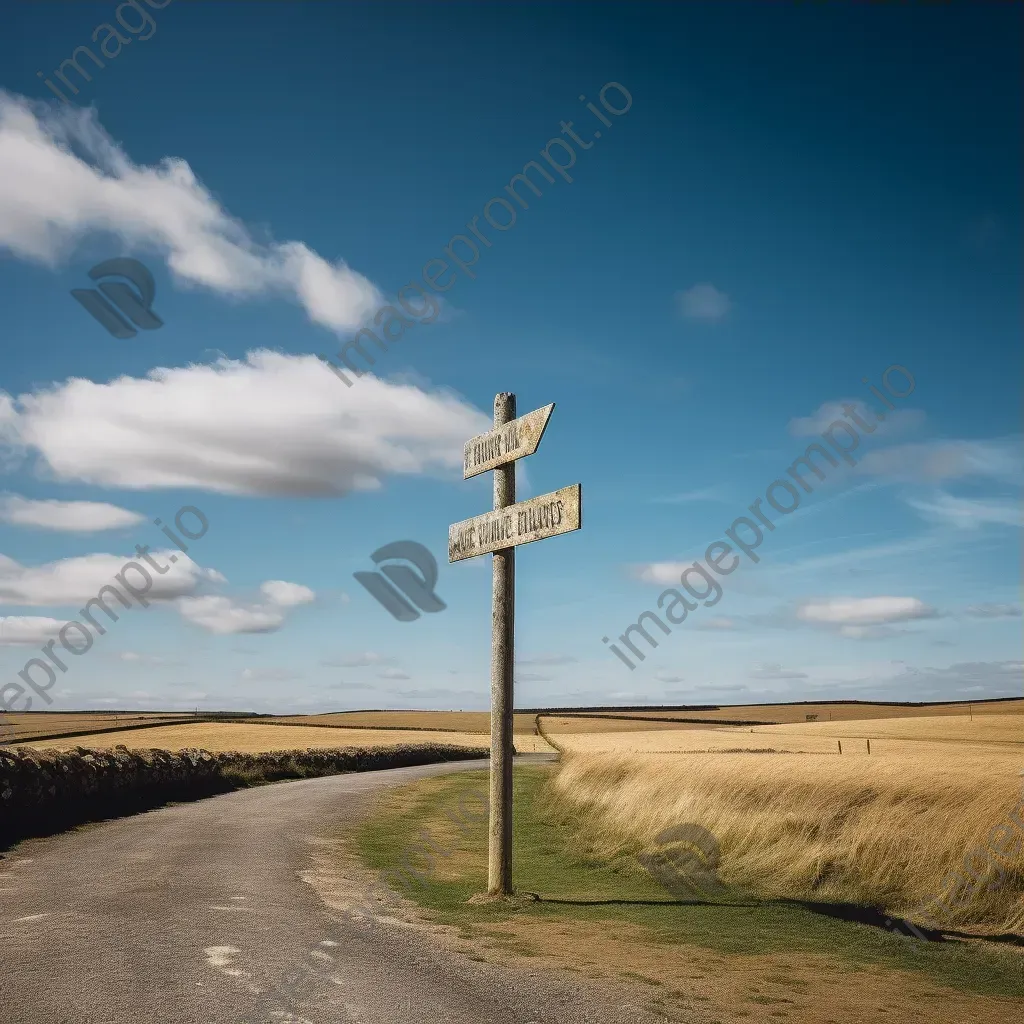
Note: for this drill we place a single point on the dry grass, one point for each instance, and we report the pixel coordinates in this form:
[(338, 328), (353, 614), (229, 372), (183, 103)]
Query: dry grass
[(252, 738), (879, 831), (804, 823)]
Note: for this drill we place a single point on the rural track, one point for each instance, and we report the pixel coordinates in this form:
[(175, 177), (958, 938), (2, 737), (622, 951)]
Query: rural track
[(214, 912)]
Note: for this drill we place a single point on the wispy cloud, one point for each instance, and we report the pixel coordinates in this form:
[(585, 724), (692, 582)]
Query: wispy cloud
[(968, 513), (933, 461), (897, 421), (689, 497), (994, 611), (864, 611), (66, 516), (364, 659), (664, 676), (547, 659), (773, 670), (269, 675), (702, 302)]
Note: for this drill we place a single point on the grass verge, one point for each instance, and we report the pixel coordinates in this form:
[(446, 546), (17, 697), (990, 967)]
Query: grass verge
[(592, 913)]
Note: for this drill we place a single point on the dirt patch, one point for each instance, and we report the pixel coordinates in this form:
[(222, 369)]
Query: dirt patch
[(797, 987)]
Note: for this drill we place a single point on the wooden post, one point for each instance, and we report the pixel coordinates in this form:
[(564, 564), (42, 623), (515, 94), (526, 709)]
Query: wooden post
[(503, 604), (840, 742), (869, 746), (498, 533)]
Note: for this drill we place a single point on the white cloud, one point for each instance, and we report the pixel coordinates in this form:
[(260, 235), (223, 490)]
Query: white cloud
[(968, 513), (28, 629), (286, 595), (864, 611), (392, 673), (659, 572), (963, 679), (273, 424), (932, 461), (62, 178), (994, 611), (148, 659), (668, 677), (224, 615), (718, 623), (70, 516), (895, 422), (702, 302), (221, 615), (773, 670), (77, 580), (869, 632), (362, 660)]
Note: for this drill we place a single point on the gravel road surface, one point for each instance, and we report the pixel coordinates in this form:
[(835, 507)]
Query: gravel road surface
[(233, 910)]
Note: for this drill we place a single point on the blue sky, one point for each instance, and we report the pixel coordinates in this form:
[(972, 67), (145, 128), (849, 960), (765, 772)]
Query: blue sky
[(793, 199)]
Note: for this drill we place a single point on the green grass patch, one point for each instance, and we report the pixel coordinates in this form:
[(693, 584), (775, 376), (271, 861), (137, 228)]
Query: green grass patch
[(430, 841)]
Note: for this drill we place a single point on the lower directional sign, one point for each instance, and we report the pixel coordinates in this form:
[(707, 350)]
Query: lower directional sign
[(545, 516)]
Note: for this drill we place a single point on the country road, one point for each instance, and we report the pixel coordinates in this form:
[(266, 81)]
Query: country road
[(221, 912)]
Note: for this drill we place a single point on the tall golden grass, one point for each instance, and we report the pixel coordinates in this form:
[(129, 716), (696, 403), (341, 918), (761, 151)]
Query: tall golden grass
[(887, 832)]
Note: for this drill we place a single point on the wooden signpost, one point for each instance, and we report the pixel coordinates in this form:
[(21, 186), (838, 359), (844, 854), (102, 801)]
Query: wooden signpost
[(500, 532)]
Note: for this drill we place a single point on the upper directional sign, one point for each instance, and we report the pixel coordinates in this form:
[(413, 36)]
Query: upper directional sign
[(515, 440), (547, 515)]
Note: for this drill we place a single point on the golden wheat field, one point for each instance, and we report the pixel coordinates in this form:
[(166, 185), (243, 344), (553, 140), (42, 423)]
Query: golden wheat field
[(457, 721), (961, 729), (253, 738), (984, 737), (25, 725), (770, 714), (889, 829)]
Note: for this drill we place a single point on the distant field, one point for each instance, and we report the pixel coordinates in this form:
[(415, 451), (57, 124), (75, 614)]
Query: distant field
[(57, 723), (253, 738), (1006, 728), (33, 725), (985, 737), (457, 721), (791, 713)]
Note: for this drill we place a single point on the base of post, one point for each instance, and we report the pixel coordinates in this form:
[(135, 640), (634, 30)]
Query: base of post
[(518, 898)]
